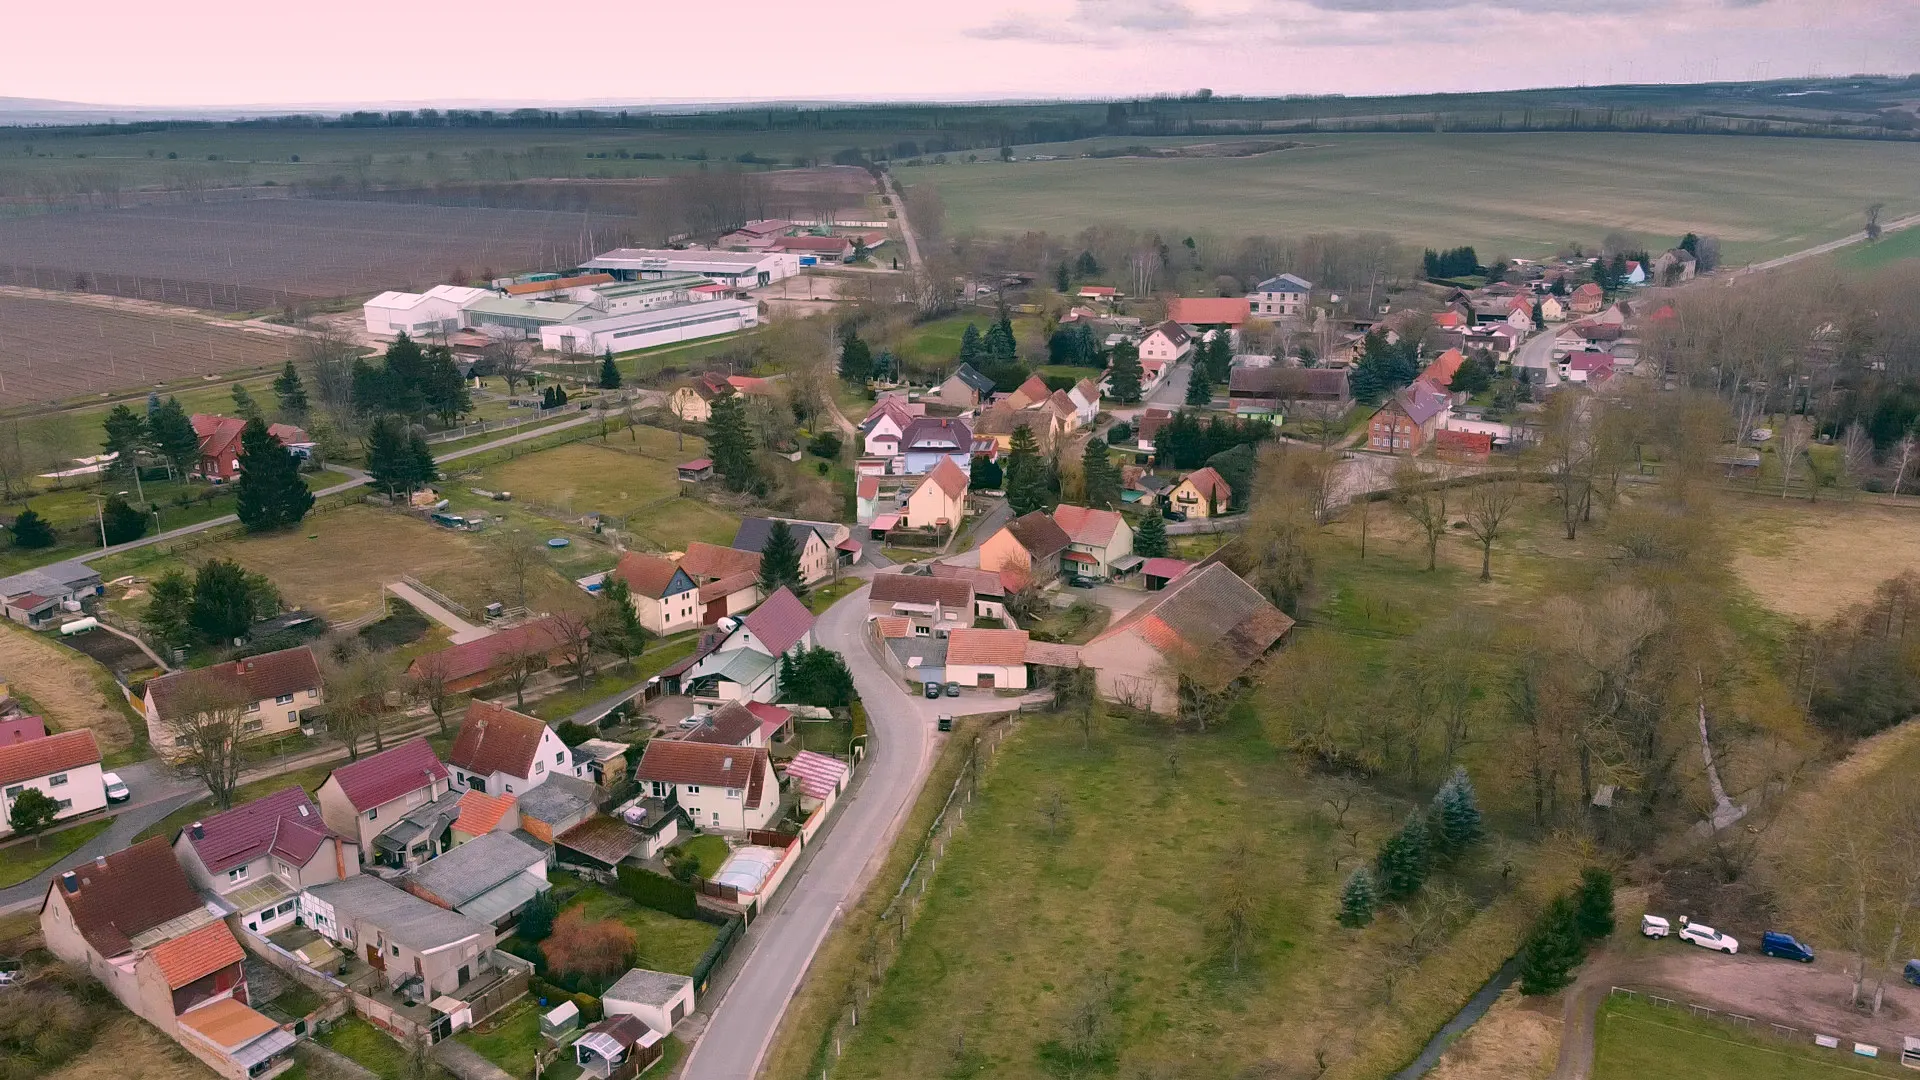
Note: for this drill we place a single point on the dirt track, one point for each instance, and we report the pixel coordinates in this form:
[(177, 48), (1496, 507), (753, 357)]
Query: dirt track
[(61, 683)]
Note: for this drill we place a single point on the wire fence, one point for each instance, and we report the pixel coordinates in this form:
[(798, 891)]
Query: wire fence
[(883, 943), (1784, 1032)]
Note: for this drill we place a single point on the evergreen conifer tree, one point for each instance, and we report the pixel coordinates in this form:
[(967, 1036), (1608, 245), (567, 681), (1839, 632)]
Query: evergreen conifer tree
[(971, 350), (126, 436), (292, 394), (618, 624), (1403, 860), (442, 390), (31, 531), (609, 372), (1454, 819), (780, 561), (1102, 479), (730, 443), (1026, 474), (170, 432), (122, 522), (1199, 384), (1220, 356), (1594, 915), (1150, 540), (856, 359), (390, 457), (1124, 374), (405, 378), (425, 469), (243, 404), (986, 475), (1357, 899), (1552, 950)]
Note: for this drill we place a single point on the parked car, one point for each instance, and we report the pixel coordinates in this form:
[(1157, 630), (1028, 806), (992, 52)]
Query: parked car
[(1081, 583), (953, 689), (1708, 938), (1654, 926), (1785, 946), (933, 689), (116, 788), (1912, 974)]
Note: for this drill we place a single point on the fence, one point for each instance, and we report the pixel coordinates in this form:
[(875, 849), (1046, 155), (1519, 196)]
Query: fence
[(716, 955), (888, 936), (1784, 1032), (437, 596), (179, 291), (482, 427)]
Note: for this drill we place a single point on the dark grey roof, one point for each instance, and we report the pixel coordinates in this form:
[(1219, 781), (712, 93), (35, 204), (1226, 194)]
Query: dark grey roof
[(931, 652), (980, 383), (1285, 283), (51, 580), (405, 917), (752, 534), (558, 799), (647, 987), (477, 866), (428, 819)]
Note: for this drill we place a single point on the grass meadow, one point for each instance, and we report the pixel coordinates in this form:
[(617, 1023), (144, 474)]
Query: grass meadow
[(1634, 1040), (1508, 194)]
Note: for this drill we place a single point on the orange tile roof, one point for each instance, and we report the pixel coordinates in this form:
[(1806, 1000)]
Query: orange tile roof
[(227, 1024), (895, 626), (197, 954), (35, 758), (480, 812), (1208, 310), (526, 288), (967, 645), (1441, 372), (948, 476)]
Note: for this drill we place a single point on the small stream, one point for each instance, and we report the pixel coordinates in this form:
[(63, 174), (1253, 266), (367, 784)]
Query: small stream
[(1470, 1013)]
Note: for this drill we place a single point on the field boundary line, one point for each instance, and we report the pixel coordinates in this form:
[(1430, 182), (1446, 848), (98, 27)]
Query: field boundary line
[(1750, 1046)]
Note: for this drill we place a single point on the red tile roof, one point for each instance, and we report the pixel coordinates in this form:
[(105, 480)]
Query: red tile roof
[(729, 725), (1085, 525), (527, 288), (384, 777), (255, 678), (1589, 290), (1463, 442), (494, 738), (895, 626), (652, 576), (867, 487), (286, 823), (1210, 484), (136, 890), (1448, 319), (1039, 534), (197, 954), (831, 244), (966, 645), (1165, 568), (474, 657), (727, 586), (36, 758), (707, 562), (1208, 310), (985, 582), (1443, 368), (673, 761), (1098, 290), (919, 589), (1209, 609), (948, 476), (480, 812), (772, 717), (780, 621)]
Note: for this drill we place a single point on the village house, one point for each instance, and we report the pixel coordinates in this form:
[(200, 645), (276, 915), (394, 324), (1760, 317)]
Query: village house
[(1085, 396), (1029, 546), (940, 501), (665, 597), (1281, 297), (723, 788), (824, 545), (1207, 625), (1028, 394), (471, 665), (744, 665), (273, 689), (989, 659), (930, 439), (1551, 309), (755, 723), (547, 812), (1168, 343), (1099, 542), (1194, 312), (134, 922), (1406, 423), (481, 813), (989, 588), (1201, 494), (1146, 429), (1673, 266), (931, 605), (1588, 299), (694, 402), (729, 579), (219, 459), (400, 935), (502, 752), (64, 767), (1279, 389), (490, 879), (965, 388), (887, 422), (359, 801), (1098, 292), (254, 859)]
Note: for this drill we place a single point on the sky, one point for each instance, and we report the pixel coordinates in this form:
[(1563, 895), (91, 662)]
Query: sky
[(229, 53)]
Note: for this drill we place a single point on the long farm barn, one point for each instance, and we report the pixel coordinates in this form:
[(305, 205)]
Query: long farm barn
[(52, 350)]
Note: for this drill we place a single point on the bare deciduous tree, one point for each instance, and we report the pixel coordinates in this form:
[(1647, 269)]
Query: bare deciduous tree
[(511, 360), (521, 662), (1856, 453), (1424, 502), (576, 643), (1567, 445), (205, 736), (1488, 506), (515, 560), (1795, 434), (427, 685)]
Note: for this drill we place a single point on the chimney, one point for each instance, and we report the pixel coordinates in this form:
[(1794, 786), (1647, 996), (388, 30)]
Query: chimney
[(100, 861), (70, 881), (199, 831)]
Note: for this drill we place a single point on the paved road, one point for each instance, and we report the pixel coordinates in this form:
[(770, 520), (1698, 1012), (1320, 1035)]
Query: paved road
[(1537, 354), (155, 795), (1171, 394), (359, 479), (783, 943), (906, 228)]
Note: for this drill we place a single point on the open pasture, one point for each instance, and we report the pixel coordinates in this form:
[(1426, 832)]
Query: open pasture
[(1521, 195), (52, 351)]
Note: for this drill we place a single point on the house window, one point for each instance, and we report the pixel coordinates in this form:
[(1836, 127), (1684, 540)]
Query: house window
[(509, 789), (251, 727), (63, 804), (283, 699), (373, 814), (539, 767), (560, 758), (922, 631), (346, 934), (733, 793), (15, 790), (311, 694), (475, 783), (693, 789), (56, 780), (255, 707), (236, 875), (716, 817)]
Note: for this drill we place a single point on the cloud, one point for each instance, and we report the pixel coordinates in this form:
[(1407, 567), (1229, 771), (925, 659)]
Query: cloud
[(1109, 23)]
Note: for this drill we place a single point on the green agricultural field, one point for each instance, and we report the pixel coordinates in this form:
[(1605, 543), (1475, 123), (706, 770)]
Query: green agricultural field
[(1513, 194), (937, 343), (1634, 1040), (1893, 248)]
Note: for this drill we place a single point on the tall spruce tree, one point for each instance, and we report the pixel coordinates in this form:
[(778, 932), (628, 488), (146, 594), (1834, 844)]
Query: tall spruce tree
[(1150, 540), (391, 459), (442, 390), (1026, 474), (404, 385), (269, 492), (1453, 820), (1403, 860), (1357, 899), (1102, 479), (170, 432), (243, 404), (780, 561), (121, 522), (617, 625), (971, 350), (730, 442), (1124, 373), (1594, 910), (1220, 356), (1552, 950), (169, 608), (291, 393), (609, 372), (856, 359), (1199, 384), (126, 436)]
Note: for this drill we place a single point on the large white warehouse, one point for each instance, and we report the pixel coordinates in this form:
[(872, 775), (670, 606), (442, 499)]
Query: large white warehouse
[(654, 326), (741, 269), (434, 313)]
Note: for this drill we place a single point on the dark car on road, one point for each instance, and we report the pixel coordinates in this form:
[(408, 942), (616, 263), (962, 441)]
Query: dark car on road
[(933, 689), (1081, 583), (1785, 946)]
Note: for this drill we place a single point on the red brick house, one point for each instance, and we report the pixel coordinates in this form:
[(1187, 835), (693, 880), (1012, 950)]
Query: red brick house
[(1406, 423), (220, 444)]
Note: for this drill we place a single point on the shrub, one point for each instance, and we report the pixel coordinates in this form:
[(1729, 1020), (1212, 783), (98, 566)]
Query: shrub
[(596, 948), (31, 531), (648, 889), (590, 1008), (825, 445), (536, 920), (42, 1026)]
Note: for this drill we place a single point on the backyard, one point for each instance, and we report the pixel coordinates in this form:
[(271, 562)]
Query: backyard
[(666, 943)]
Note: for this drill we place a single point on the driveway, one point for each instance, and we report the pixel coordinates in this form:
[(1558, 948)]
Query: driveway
[(782, 943)]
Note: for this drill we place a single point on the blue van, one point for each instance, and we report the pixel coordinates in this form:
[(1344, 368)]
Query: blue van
[(1912, 974), (1785, 946)]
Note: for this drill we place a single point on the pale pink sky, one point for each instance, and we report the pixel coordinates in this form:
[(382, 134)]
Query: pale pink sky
[(226, 52)]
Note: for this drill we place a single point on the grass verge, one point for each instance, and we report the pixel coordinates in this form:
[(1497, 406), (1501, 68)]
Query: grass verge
[(23, 860)]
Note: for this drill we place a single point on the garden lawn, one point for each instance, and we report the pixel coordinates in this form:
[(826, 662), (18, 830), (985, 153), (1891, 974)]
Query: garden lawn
[(708, 851), (1635, 1040), (21, 860), (665, 943), (512, 1042), (372, 1048), (586, 477)]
